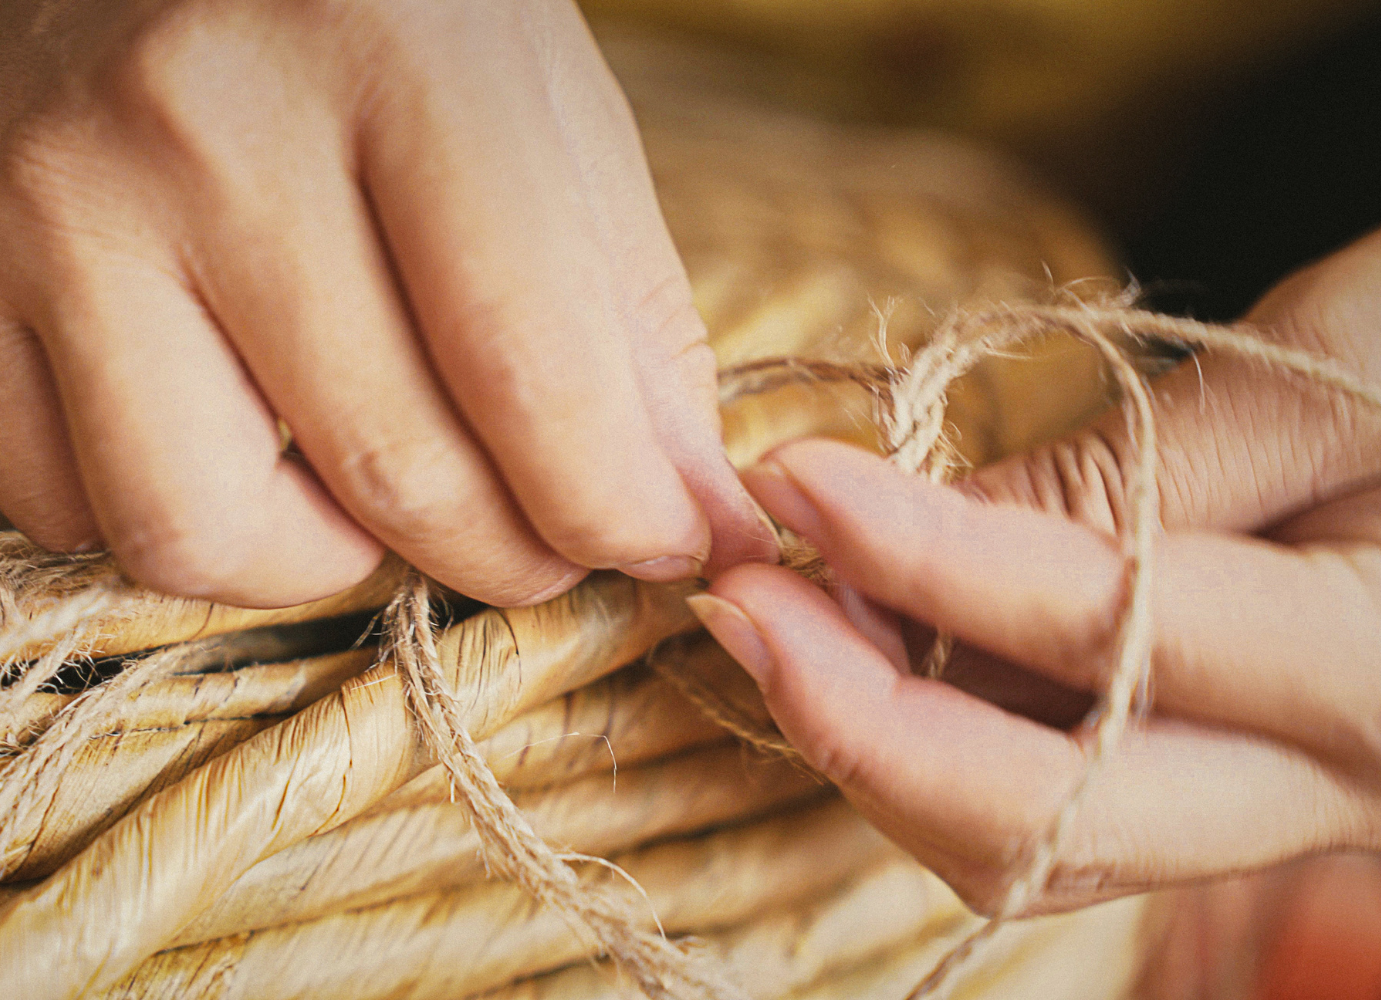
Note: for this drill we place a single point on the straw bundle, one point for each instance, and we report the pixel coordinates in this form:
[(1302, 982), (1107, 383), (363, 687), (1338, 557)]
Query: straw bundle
[(248, 807)]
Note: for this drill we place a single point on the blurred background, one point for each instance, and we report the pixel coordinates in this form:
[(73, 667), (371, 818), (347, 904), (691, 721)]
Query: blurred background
[(1222, 143)]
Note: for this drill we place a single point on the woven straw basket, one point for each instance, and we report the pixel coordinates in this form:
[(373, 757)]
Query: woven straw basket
[(262, 820)]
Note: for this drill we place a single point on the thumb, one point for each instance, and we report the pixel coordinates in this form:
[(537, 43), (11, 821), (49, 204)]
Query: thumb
[(956, 781)]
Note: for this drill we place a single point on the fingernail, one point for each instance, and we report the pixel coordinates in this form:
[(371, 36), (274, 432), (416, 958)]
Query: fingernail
[(774, 488), (664, 569), (734, 631)]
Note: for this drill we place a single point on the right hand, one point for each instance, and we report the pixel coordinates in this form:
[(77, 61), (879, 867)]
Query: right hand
[(421, 233)]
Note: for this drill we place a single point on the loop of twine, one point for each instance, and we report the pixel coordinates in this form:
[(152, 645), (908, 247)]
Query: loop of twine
[(911, 407)]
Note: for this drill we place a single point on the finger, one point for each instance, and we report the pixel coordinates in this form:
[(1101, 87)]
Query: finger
[(675, 366), (1276, 639), (40, 490), (1236, 618), (297, 277), (969, 789), (1239, 445), (1025, 586), (505, 269), (179, 455), (853, 715)]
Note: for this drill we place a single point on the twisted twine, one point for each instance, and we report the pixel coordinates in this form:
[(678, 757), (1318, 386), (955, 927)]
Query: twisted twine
[(662, 970)]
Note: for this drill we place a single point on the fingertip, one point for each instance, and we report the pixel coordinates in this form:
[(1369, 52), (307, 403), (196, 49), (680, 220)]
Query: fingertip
[(336, 552), (839, 495), (821, 679), (810, 458), (944, 774), (284, 544), (746, 535), (529, 588), (1020, 583), (664, 569), (776, 489), (656, 532), (736, 633)]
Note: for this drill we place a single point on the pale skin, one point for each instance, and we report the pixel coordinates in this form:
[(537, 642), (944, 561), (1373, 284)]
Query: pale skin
[(1264, 742), (424, 237), (422, 234)]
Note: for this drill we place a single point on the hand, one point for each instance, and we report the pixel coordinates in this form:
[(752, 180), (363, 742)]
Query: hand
[(420, 233), (1264, 742)]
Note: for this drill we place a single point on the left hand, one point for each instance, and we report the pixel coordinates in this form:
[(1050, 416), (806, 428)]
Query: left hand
[(1264, 742)]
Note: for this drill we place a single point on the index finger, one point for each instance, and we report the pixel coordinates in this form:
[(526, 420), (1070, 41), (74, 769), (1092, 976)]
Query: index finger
[(503, 260)]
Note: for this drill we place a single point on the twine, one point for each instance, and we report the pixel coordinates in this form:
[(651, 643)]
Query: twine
[(661, 970), (71, 599), (730, 717)]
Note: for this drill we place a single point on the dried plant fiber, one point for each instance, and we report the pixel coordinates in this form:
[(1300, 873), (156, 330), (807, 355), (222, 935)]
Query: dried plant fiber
[(33, 612), (175, 725), (881, 909), (875, 936), (422, 848), (179, 881), (140, 881), (456, 943)]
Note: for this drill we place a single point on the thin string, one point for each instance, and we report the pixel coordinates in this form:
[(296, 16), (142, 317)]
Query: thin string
[(718, 709), (1130, 675), (662, 970)]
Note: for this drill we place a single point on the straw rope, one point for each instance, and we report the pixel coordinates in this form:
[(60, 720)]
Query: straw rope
[(912, 401)]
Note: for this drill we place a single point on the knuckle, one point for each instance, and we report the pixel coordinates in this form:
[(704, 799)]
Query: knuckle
[(665, 317), (1083, 478), (154, 70), (700, 376), (501, 335), (668, 332), (985, 887), (982, 891), (834, 755), (997, 865), (403, 484), (41, 168), (183, 555)]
